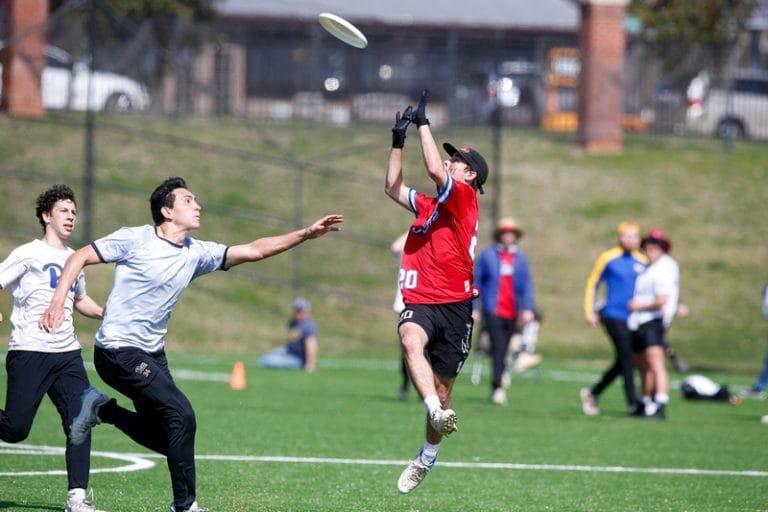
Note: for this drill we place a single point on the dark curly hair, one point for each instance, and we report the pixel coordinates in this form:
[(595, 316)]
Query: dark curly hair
[(163, 196), (47, 199)]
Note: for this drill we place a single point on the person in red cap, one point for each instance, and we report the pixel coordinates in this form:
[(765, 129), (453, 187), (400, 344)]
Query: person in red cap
[(652, 308), (435, 276)]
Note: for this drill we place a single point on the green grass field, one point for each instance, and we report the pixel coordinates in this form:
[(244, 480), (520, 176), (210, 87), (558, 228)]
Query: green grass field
[(248, 175), (338, 439)]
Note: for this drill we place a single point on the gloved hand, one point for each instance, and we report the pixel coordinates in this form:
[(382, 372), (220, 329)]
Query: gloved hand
[(419, 116), (401, 125)]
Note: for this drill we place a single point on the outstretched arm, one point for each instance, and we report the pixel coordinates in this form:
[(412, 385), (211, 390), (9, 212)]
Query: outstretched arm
[(432, 160), (429, 150), (271, 245), (395, 186), (53, 317)]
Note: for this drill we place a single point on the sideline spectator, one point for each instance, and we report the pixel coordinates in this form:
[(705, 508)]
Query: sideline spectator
[(522, 352), (301, 348), (503, 276)]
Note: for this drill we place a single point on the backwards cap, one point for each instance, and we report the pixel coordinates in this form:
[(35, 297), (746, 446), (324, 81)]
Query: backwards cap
[(475, 161)]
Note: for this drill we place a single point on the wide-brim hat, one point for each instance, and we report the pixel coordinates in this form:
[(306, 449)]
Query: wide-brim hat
[(507, 224), (475, 161), (658, 237)]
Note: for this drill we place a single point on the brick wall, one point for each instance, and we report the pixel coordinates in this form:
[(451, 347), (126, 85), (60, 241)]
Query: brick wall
[(23, 60), (602, 42)]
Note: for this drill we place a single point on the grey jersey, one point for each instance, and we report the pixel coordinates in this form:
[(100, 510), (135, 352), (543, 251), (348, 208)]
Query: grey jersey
[(151, 273)]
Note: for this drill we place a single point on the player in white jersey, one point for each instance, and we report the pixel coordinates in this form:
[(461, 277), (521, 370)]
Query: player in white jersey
[(40, 363), (153, 266), (657, 290)]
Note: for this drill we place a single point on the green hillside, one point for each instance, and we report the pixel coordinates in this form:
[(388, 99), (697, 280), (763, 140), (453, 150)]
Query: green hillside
[(251, 175)]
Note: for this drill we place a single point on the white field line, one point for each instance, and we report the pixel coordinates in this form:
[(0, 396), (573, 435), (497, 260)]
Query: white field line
[(384, 366), (139, 461), (136, 462)]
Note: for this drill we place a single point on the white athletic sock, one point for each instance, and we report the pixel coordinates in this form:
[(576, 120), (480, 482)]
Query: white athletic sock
[(429, 453), (432, 403), (649, 406), (76, 494), (661, 398)]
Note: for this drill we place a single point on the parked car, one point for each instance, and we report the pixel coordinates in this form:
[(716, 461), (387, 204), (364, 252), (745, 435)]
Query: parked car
[(738, 108), (64, 85)]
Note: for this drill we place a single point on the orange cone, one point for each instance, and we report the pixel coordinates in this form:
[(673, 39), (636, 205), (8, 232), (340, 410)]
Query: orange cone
[(237, 380)]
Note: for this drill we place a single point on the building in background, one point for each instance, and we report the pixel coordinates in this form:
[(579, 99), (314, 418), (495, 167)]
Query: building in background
[(273, 60)]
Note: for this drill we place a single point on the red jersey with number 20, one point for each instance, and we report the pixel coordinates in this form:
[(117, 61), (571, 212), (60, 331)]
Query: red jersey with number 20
[(437, 261)]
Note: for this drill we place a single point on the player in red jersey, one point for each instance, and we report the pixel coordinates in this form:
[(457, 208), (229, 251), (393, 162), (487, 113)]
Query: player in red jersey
[(435, 327)]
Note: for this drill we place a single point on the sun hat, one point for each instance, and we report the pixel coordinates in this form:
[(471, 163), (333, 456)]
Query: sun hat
[(507, 224)]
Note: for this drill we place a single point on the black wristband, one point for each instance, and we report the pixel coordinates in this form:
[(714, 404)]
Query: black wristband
[(398, 139)]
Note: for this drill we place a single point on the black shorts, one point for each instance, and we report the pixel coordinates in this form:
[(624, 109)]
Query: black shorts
[(449, 333), (647, 335)]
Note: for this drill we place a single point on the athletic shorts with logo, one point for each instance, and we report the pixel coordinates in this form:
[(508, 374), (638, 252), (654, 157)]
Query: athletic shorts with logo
[(449, 333)]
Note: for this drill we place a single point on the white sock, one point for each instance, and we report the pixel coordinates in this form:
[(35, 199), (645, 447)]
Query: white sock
[(649, 406), (432, 403), (76, 494), (661, 398), (429, 453)]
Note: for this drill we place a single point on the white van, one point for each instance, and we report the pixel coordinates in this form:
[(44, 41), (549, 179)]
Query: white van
[(65, 85), (738, 109)]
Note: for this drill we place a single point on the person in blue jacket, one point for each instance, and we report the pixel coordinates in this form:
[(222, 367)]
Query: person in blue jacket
[(503, 276)]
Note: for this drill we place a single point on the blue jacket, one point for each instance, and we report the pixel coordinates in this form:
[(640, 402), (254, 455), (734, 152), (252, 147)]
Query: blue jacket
[(487, 279), (618, 270)]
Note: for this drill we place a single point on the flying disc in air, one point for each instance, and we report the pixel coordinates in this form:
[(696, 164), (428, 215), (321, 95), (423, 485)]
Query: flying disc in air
[(343, 30)]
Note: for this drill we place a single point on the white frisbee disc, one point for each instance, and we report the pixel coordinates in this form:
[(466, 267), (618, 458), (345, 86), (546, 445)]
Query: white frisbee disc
[(343, 30)]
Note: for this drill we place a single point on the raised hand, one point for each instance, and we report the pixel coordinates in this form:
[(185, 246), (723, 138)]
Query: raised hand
[(419, 116), (401, 125)]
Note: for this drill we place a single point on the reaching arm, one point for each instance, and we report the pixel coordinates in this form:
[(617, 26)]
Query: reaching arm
[(429, 150), (271, 245), (432, 160), (395, 187), (52, 317)]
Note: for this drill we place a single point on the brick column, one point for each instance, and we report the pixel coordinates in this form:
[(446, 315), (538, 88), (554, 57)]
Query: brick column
[(23, 60), (602, 42)]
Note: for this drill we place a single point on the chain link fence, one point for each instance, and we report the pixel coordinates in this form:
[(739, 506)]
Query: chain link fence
[(291, 69)]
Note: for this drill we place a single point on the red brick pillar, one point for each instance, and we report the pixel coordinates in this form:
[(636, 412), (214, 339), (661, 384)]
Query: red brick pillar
[(602, 42), (23, 60)]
